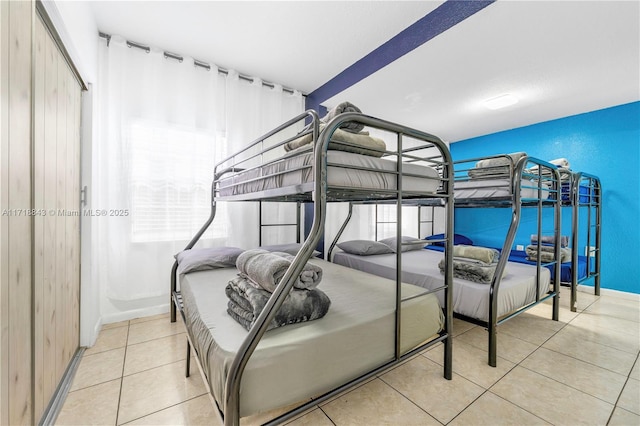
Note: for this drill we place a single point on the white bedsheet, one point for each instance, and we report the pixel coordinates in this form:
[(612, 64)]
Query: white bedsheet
[(299, 361), (420, 267), (494, 188)]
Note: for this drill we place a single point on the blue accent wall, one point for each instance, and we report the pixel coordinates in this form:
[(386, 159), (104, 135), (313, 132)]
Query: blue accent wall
[(605, 143)]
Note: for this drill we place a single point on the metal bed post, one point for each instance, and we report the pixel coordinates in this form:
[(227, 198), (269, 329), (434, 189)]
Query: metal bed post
[(448, 175), (259, 223), (516, 184), (340, 231), (236, 369), (298, 218), (492, 324), (575, 214), (594, 201), (375, 235), (596, 192), (189, 246), (557, 205), (398, 247)]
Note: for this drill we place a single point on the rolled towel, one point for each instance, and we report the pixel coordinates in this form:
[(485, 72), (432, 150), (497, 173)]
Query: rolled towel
[(550, 239), (482, 254), (349, 126), (246, 302), (267, 269), (561, 162)]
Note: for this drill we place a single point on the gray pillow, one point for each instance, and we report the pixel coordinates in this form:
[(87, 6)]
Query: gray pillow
[(364, 247), (201, 259), (290, 248), (408, 243)]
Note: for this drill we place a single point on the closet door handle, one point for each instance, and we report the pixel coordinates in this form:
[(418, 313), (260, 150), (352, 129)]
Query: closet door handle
[(83, 196)]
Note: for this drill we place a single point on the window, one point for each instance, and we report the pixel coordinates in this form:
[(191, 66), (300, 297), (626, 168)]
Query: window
[(171, 171)]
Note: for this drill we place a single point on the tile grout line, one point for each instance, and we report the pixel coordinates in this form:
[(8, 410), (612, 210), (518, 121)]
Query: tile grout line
[(622, 390), (410, 400), (157, 338), (591, 363), (513, 368), (326, 415), (555, 332), (165, 408), (540, 346), (569, 386), (153, 368), (487, 390), (124, 361)]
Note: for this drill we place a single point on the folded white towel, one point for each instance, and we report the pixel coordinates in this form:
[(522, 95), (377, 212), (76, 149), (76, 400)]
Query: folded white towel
[(561, 162)]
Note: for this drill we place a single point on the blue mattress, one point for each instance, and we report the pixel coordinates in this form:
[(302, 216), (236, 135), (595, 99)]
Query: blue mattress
[(584, 196), (566, 269)]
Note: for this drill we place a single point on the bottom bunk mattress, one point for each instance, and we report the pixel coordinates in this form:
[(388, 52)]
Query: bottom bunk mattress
[(420, 267), (297, 362)]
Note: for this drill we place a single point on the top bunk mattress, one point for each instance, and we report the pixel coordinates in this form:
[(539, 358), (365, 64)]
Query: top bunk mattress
[(420, 267), (299, 361), (477, 189), (293, 174)]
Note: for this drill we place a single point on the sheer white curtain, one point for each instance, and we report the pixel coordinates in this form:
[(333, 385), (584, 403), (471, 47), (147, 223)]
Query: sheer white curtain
[(162, 126)]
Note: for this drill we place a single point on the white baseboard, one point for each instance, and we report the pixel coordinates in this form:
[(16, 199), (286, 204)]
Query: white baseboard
[(611, 293), (136, 313)]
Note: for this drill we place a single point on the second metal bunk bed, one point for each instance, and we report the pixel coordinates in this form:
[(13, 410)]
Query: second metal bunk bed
[(513, 186)]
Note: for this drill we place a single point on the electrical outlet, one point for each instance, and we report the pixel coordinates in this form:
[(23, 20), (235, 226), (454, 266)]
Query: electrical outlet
[(520, 247), (590, 251)]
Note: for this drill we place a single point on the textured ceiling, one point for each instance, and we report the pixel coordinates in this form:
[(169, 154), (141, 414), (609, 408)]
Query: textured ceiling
[(299, 44), (559, 57)]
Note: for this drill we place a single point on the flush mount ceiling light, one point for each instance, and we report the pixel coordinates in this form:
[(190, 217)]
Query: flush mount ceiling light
[(501, 101)]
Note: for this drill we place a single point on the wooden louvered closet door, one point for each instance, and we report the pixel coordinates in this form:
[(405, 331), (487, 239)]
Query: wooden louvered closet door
[(40, 222), (56, 190)]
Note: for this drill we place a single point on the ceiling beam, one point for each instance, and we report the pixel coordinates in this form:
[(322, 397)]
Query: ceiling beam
[(445, 16)]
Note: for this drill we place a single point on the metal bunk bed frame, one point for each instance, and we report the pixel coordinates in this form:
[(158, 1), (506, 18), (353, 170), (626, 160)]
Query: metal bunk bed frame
[(320, 194), (594, 226), (517, 172), (515, 201)]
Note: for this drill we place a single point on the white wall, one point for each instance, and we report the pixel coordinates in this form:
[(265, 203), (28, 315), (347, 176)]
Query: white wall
[(77, 27)]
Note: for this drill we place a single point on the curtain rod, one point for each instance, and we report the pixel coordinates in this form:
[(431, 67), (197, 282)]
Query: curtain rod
[(197, 63)]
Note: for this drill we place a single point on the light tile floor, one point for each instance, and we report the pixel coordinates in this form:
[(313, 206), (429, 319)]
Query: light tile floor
[(582, 369)]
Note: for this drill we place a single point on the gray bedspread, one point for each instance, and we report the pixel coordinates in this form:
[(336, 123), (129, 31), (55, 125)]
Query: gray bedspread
[(550, 239), (472, 270), (267, 269), (246, 302), (547, 253), (482, 254)]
